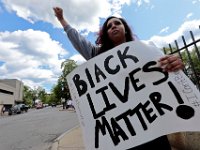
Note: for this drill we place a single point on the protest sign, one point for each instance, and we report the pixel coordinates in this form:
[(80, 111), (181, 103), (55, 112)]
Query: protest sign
[(124, 99)]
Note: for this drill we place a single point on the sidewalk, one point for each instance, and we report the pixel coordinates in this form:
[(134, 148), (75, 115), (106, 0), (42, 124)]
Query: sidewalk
[(71, 140)]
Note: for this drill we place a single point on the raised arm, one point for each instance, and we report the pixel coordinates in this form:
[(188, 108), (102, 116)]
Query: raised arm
[(83, 46), (59, 14)]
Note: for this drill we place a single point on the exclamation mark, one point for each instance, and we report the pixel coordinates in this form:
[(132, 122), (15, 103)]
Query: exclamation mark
[(183, 111)]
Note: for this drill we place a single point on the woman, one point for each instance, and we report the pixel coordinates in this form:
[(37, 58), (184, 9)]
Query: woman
[(114, 32)]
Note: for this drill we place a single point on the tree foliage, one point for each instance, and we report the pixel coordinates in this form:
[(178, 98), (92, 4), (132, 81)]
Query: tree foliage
[(30, 95), (61, 90), (192, 64)]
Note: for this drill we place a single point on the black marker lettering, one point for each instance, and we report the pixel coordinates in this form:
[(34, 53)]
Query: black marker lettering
[(135, 81), (127, 121), (147, 112), (81, 85), (147, 68), (95, 115), (98, 73), (155, 97), (107, 67), (89, 78), (105, 98), (123, 98), (136, 111), (102, 127), (124, 56), (118, 131)]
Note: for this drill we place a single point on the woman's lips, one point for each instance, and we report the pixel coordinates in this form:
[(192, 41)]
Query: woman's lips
[(115, 32)]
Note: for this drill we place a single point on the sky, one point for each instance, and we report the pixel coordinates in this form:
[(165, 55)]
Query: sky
[(33, 44)]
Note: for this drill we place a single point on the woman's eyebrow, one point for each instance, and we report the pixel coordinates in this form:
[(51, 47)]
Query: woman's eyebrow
[(109, 25), (115, 21)]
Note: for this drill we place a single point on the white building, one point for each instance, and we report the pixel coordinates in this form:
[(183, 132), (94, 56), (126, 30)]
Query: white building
[(11, 92)]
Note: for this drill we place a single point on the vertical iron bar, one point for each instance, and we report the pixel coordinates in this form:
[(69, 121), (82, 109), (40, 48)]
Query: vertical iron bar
[(164, 50), (170, 47), (191, 62), (195, 45), (177, 47)]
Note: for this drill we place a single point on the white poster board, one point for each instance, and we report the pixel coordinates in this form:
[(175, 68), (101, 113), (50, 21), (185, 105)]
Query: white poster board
[(124, 99)]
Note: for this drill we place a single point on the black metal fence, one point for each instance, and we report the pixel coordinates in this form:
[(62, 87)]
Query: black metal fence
[(190, 55)]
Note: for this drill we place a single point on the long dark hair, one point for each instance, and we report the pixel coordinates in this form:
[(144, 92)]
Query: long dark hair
[(103, 40)]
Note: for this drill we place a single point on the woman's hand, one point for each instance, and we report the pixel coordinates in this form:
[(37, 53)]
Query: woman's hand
[(58, 13), (171, 63)]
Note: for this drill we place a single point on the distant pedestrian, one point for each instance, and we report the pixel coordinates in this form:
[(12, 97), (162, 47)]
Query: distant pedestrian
[(2, 110), (69, 103), (63, 102)]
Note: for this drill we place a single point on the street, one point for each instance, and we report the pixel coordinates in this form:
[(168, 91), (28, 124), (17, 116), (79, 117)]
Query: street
[(35, 130)]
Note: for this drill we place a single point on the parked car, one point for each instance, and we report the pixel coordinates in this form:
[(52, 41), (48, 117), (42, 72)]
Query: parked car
[(53, 104), (16, 109), (45, 105), (39, 106), (7, 108), (23, 107)]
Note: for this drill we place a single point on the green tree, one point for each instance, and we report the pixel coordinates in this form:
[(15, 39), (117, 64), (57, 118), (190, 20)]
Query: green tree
[(62, 90), (195, 63), (56, 94), (53, 99), (41, 94), (30, 95), (27, 96)]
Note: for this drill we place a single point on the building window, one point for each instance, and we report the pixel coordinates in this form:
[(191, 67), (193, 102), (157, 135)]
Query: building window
[(6, 92)]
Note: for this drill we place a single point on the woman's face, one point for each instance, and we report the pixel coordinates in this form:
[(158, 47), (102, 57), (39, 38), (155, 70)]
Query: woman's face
[(116, 31)]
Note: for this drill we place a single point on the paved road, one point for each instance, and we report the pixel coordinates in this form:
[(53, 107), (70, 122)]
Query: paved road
[(36, 129)]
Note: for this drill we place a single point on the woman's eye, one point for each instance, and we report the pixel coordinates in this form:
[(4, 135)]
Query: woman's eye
[(117, 23), (113, 23), (109, 26)]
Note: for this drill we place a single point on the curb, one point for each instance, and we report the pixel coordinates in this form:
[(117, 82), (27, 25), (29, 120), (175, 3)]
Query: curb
[(55, 144)]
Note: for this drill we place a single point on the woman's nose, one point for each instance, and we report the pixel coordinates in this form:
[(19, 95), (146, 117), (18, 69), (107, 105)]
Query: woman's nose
[(113, 26)]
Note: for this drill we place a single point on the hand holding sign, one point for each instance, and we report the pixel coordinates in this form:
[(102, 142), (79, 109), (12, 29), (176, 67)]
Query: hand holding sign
[(171, 63)]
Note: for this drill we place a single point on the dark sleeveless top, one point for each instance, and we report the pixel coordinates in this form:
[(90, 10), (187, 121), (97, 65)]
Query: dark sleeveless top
[(160, 143)]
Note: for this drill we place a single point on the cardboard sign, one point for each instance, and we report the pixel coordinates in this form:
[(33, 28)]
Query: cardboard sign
[(123, 98)]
